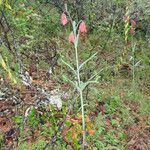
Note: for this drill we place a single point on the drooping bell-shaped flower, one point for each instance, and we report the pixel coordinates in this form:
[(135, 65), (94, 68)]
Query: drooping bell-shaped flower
[(82, 27), (64, 19), (71, 38)]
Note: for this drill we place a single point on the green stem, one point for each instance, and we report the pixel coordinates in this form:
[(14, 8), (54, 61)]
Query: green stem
[(81, 96), (133, 66), (83, 119), (77, 65), (133, 73)]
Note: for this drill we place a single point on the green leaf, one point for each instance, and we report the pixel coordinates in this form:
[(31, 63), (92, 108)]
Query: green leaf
[(65, 78), (146, 60), (8, 6), (74, 83), (68, 123), (7, 69), (82, 86), (95, 148), (18, 119), (87, 60), (67, 64), (122, 136), (137, 64)]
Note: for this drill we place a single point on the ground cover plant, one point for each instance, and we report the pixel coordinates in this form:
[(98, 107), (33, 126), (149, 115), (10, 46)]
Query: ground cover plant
[(75, 75)]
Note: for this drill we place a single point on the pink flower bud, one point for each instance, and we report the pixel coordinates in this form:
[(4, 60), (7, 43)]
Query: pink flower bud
[(71, 38), (64, 19), (82, 27)]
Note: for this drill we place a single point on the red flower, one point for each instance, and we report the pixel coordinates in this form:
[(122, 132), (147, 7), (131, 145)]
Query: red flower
[(82, 27), (125, 18), (133, 23), (71, 38), (132, 30), (64, 19)]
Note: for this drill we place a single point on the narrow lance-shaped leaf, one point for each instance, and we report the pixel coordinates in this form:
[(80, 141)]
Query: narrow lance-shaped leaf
[(137, 63), (87, 60), (74, 83), (69, 66)]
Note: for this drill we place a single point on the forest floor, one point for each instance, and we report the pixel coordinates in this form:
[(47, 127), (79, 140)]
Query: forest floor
[(114, 121)]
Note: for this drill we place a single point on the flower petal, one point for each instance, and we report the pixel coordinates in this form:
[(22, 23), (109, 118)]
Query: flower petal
[(64, 19), (82, 27), (71, 38)]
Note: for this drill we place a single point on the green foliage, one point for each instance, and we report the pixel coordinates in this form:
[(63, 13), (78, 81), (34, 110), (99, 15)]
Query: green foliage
[(35, 146), (106, 137), (32, 118), (23, 146), (5, 59), (148, 121), (1, 140), (32, 21), (112, 105), (5, 3), (18, 119)]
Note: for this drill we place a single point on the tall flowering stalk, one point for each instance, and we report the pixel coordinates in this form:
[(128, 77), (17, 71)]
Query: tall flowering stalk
[(134, 62), (73, 38), (126, 19)]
